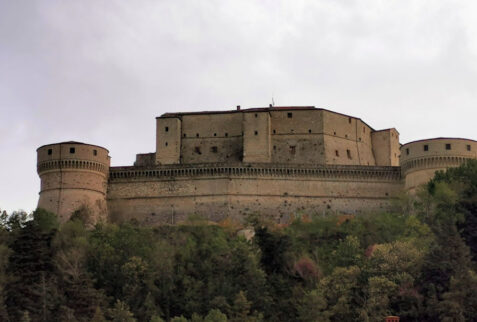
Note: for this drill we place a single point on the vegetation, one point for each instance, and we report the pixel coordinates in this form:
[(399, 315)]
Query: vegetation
[(418, 263)]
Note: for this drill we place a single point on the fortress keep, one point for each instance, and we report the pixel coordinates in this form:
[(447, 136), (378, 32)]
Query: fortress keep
[(276, 161)]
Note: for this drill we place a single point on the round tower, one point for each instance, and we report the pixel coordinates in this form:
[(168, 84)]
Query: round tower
[(421, 159), (73, 174)]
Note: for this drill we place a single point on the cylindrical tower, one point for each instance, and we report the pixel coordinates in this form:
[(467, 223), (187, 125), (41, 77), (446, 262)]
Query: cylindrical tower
[(73, 175), (421, 159)]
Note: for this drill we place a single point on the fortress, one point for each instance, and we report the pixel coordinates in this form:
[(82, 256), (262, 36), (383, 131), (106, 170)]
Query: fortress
[(275, 161)]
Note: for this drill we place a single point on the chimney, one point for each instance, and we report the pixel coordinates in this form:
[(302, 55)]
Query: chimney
[(238, 107)]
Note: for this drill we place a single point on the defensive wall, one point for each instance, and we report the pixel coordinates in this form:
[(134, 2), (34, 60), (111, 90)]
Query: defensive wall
[(277, 161)]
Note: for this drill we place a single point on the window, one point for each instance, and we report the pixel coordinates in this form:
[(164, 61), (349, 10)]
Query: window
[(256, 115), (426, 147), (72, 150), (197, 135), (274, 147), (448, 146), (274, 131), (407, 151), (468, 147), (185, 135), (292, 149), (348, 152), (213, 149), (95, 152), (309, 131), (290, 115), (256, 132), (215, 134), (334, 133), (167, 129), (337, 153), (167, 144), (226, 134), (346, 135), (50, 151), (197, 150), (364, 130), (349, 120)]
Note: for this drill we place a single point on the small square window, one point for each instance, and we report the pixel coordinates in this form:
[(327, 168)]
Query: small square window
[(448, 146), (426, 147), (50, 151), (167, 144), (167, 129), (215, 134), (95, 152), (274, 131), (407, 151), (468, 147), (256, 115), (197, 135), (274, 147), (185, 135), (290, 115), (309, 131), (197, 150), (72, 150), (214, 149), (226, 134), (256, 132)]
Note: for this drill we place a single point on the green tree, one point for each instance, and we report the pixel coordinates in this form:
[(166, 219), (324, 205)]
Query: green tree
[(33, 286)]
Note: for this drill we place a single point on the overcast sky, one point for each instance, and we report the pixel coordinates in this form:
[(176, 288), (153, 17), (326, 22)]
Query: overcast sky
[(101, 71)]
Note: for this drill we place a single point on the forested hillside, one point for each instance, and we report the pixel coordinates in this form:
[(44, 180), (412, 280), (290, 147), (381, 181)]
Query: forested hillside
[(419, 263)]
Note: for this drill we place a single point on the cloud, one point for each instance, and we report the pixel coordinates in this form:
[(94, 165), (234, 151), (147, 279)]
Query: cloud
[(100, 71)]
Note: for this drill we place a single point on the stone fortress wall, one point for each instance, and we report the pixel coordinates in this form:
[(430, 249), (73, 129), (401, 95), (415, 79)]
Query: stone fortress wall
[(421, 159), (277, 161), (73, 174)]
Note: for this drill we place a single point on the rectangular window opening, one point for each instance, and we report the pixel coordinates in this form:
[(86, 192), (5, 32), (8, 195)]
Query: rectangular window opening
[(468, 147), (448, 146), (72, 150), (197, 150), (95, 152), (349, 120), (337, 153), (214, 149), (407, 151), (290, 115), (256, 132), (50, 151), (167, 129), (348, 152), (292, 149), (426, 147)]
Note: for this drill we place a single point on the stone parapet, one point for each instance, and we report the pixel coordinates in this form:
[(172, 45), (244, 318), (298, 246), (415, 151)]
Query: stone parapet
[(331, 171)]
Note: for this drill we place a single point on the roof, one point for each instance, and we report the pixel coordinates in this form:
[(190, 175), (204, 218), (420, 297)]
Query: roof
[(72, 142), (259, 109), (439, 138)]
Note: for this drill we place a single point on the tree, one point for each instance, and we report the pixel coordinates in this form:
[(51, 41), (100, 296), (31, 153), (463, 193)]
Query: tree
[(34, 286)]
